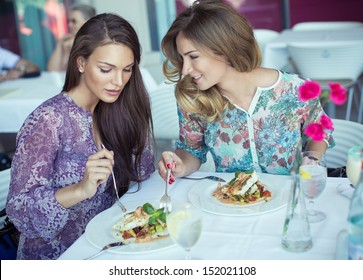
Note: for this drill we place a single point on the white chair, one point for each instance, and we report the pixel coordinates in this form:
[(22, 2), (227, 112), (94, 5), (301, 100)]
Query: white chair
[(346, 135), (263, 36), (326, 25), (324, 62), (4, 189), (148, 79), (164, 113), (166, 121), (208, 166)]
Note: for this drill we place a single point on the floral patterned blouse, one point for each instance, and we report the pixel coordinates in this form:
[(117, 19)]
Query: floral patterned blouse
[(52, 149), (264, 138)]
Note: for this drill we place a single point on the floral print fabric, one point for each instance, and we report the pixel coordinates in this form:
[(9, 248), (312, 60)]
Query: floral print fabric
[(263, 139), (52, 149)]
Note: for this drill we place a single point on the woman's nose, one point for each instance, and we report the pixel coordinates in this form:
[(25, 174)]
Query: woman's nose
[(118, 80), (186, 68)]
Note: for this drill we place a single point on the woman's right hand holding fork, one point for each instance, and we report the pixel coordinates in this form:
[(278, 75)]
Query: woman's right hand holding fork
[(97, 171)]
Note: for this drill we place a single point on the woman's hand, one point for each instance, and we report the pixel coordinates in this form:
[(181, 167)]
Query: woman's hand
[(180, 162), (170, 160), (98, 169), (67, 42)]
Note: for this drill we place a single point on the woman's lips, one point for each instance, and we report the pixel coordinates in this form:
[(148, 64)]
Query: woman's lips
[(113, 92), (196, 78)]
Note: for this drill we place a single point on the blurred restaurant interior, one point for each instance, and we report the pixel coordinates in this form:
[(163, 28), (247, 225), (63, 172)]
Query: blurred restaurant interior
[(31, 28)]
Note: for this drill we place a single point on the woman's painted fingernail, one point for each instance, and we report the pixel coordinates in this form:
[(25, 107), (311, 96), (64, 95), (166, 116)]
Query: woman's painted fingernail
[(168, 165), (171, 181)]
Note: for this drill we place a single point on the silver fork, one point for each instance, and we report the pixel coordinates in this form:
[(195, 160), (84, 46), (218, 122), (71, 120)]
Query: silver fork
[(105, 248), (114, 185), (165, 201), (213, 178)]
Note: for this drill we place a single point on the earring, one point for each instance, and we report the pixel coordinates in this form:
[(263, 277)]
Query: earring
[(80, 70)]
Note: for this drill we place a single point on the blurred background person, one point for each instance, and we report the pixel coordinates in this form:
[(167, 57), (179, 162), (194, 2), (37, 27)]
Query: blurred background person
[(13, 66), (80, 13)]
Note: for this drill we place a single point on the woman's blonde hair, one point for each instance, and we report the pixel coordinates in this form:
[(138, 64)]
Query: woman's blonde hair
[(212, 25)]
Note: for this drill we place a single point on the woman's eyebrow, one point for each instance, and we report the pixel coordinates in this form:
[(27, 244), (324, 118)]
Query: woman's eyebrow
[(112, 65), (186, 53)]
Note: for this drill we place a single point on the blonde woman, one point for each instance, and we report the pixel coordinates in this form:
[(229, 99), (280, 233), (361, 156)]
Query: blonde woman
[(248, 117)]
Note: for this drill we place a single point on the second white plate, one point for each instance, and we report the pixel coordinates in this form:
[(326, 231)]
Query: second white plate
[(201, 197)]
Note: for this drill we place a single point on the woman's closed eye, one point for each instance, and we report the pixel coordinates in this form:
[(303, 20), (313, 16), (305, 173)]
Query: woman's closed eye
[(105, 70)]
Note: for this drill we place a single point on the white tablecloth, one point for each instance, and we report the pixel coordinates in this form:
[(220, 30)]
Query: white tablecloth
[(242, 237), (18, 98), (24, 96), (276, 54)]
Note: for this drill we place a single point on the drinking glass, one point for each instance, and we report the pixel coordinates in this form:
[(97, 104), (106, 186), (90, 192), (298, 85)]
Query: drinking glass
[(184, 226), (313, 175), (354, 164)]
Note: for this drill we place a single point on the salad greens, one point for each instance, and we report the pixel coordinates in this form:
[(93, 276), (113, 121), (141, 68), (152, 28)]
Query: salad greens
[(157, 215)]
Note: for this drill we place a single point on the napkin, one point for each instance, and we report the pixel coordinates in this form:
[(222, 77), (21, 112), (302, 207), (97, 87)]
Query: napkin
[(346, 190)]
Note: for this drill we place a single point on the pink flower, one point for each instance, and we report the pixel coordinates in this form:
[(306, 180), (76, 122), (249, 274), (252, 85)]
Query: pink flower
[(315, 131), (309, 90), (326, 122), (337, 93)]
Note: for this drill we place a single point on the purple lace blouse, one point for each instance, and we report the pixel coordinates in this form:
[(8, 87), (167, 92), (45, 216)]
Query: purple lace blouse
[(52, 149)]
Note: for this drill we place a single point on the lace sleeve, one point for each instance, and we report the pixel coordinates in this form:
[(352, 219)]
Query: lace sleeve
[(31, 201)]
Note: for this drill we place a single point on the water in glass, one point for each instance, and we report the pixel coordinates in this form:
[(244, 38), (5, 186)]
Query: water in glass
[(313, 178), (184, 226)]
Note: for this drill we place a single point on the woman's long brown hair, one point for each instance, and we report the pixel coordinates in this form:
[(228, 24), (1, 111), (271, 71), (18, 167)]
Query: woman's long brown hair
[(124, 126)]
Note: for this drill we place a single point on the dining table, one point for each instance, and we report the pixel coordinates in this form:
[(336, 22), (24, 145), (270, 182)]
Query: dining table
[(276, 54), (19, 97), (229, 232)]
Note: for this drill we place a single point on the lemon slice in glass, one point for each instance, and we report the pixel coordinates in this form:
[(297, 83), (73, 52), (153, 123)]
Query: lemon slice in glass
[(305, 175)]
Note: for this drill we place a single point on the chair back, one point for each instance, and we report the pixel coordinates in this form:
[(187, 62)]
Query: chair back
[(4, 189), (148, 79), (263, 36), (346, 135), (166, 120), (164, 113), (328, 60), (209, 165), (326, 25)]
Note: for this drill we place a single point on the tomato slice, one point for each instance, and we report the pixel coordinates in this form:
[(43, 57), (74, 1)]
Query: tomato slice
[(126, 235), (266, 193), (252, 198)]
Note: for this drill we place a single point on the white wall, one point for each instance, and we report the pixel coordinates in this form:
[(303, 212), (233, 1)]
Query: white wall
[(135, 11)]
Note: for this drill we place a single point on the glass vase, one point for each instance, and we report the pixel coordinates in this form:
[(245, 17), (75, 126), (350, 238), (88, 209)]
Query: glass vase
[(296, 235)]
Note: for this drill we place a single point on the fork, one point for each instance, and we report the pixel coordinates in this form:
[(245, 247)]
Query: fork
[(213, 178), (165, 201), (114, 184), (105, 248)]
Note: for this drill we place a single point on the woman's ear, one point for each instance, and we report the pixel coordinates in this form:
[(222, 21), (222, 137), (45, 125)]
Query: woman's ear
[(80, 64)]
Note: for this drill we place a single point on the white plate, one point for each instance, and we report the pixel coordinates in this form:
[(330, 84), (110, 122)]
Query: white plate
[(201, 197), (99, 232)]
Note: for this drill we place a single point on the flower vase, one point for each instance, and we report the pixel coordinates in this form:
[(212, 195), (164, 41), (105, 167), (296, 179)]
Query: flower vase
[(296, 235)]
